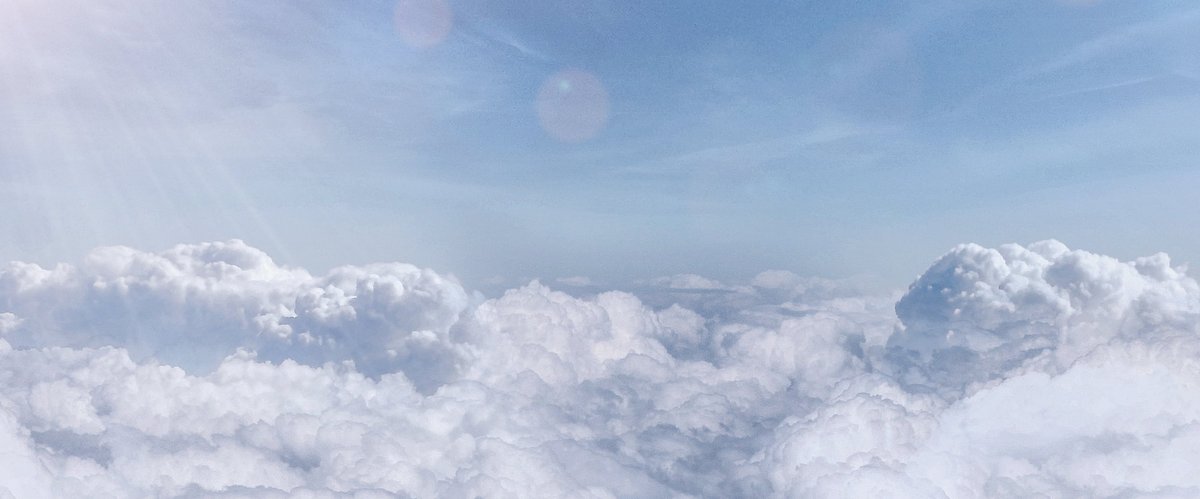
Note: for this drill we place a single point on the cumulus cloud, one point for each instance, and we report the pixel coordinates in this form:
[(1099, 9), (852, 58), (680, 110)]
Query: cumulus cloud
[(979, 314), (192, 305), (209, 370)]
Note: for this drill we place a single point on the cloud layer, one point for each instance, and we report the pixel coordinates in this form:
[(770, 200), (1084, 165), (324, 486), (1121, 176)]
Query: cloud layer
[(209, 370)]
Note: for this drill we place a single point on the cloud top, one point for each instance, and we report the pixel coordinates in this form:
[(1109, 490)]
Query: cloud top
[(210, 370)]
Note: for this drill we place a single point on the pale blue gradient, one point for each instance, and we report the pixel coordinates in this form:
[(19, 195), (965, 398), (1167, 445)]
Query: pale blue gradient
[(829, 138)]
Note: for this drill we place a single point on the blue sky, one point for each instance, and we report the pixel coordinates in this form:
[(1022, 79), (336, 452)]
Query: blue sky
[(826, 138)]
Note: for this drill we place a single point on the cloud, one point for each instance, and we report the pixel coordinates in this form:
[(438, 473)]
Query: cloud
[(978, 313), (210, 370), (193, 305), (575, 281)]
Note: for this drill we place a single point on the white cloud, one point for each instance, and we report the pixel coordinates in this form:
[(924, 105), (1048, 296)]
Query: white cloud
[(209, 370), (979, 314), (193, 305)]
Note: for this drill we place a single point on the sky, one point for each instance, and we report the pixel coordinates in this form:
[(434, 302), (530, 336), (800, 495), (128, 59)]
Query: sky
[(425, 248), (504, 141)]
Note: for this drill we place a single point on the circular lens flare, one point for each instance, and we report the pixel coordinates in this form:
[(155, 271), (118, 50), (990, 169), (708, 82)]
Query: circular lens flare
[(572, 105), (423, 23)]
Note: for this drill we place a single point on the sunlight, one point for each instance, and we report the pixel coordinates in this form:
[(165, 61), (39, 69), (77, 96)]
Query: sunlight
[(572, 105)]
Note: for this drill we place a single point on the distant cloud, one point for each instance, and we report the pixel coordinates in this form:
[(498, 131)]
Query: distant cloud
[(688, 282), (1007, 372), (574, 281)]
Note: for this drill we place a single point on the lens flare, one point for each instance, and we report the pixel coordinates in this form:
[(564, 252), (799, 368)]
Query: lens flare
[(423, 23), (572, 105)]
